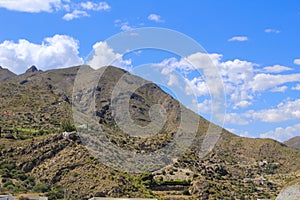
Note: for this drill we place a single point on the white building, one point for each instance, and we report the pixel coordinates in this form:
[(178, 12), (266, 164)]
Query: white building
[(6, 197)]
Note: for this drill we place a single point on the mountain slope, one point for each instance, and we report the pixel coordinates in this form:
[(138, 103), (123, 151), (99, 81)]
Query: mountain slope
[(293, 143), (5, 74), (35, 154)]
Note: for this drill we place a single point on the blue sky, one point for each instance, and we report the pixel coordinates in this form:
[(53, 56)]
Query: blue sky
[(254, 44)]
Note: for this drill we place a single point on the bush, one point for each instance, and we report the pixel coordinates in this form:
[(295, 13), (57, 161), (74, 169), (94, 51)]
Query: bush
[(186, 192), (57, 193), (9, 166), (67, 126), (42, 187)]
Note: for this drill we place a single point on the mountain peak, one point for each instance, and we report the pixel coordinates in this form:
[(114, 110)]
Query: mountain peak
[(32, 69)]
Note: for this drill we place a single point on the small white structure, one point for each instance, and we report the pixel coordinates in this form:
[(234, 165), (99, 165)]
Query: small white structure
[(68, 134), (6, 197), (260, 180), (263, 163), (36, 198)]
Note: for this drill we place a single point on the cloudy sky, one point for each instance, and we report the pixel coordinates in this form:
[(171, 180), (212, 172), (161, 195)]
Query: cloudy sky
[(254, 45)]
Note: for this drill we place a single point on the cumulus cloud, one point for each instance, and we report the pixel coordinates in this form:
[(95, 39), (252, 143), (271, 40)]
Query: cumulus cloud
[(32, 6), (54, 52), (279, 89), (297, 61), (82, 9), (236, 76), (204, 106), (173, 80), (196, 86), (276, 69), (262, 82), (199, 63), (235, 118), (104, 55), (282, 134), (124, 25), (155, 17), (238, 39), (95, 6), (75, 10), (242, 104), (297, 87), (75, 14), (270, 30), (242, 80), (286, 110)]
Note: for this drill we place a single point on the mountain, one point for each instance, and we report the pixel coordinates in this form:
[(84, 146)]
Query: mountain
[(5, 74), (36, 157), (293, 143), (32, 69)]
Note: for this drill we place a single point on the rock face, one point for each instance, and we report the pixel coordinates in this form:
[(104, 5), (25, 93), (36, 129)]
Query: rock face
[(293, 143), (32, 69), (38, 157)]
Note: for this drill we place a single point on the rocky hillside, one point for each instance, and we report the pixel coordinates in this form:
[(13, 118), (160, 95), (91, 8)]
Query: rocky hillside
[(35, 157), (5, 74), (293, 143)]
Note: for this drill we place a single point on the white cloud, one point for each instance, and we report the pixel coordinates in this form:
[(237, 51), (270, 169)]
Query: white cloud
[(238, 39), (297, 87), (276, 69), (297, 61), (124, 26), (155, 17), (32, 6), (204, 60), (173, 80), (242, 104), (105, 55), (262, 82), (282, 134), (204, 107), (284, 111), (241, 79), (95, 6), (54, 52), (270, 30), (75, 14), (287, 110), (279, 89), (196, 86), (235, 118), (236, 76), (75, 10)]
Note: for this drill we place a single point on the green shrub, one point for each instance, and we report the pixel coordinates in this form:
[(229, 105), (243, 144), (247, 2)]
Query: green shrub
[(186, 192), (66, 125), (42, 187), (9, 166), (57, 193)]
